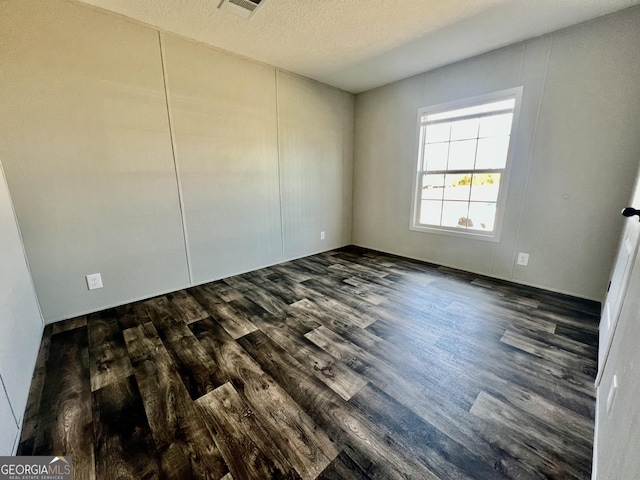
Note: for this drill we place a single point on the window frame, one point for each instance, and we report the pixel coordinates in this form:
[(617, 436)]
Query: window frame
[(494, 236)]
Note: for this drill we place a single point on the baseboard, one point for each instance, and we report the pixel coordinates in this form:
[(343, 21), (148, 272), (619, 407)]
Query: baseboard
[(484, 274)]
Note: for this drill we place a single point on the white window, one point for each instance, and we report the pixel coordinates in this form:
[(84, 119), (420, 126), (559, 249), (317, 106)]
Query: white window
[(463, 165)]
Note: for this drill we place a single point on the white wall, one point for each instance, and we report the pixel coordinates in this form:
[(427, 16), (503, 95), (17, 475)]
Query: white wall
[(88, 139), (576, 151), (617, 432), (224, 116), (316, 138), (20, 322), (84, 138), (8, 425)]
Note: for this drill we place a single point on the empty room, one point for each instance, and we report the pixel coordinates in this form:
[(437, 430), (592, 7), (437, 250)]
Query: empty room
[(276, 239)]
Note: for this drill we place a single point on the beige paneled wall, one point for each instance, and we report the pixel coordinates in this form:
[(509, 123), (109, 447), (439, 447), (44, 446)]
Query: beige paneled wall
[(577, 148), (225, 127), (20, 323), (87, 152), (315, 126), (585, 156), (87, 144)]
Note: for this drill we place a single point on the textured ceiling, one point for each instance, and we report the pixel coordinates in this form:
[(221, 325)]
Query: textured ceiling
[(357, 45)]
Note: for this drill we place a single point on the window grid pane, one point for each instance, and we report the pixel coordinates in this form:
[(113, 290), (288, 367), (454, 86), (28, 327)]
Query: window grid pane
[(465, 129), (464, 155), (455, 214), (492, 152), (457, 186), (430, 212), (496, 126), (435, 156), (485, 187), (432, 187)]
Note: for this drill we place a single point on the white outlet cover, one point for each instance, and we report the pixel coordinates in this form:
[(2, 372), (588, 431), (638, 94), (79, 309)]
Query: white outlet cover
[(94, 281), (523, 259)]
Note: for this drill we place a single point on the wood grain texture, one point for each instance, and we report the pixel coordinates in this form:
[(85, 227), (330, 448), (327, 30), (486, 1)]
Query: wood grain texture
[(444, 456), (293, 432), (132, 315), (243, 442), (235, 323), (350, 365), (333, 373), (65, 423), (69, 324), (548, 447), (199, 373), (258, 295), (124, 447), (108, 358), (190, 310), (343, 468), (184, 443), (362, 438)]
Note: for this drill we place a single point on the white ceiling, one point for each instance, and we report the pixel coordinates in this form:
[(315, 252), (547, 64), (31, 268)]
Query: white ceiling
[(357, 45)]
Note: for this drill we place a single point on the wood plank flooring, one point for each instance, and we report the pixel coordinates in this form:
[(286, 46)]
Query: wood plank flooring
[(349, 364)]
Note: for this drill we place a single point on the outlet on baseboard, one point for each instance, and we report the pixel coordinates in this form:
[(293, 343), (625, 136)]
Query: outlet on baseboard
[(523, 259), (322, 235), (94, 281)]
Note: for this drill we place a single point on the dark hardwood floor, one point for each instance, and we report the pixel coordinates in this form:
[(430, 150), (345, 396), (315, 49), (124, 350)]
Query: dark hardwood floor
[(350, 364)]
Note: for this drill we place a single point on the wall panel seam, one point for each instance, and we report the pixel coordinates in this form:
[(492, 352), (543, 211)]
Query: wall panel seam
[(523, 52), (531, 149), (282, 252), (20, 422), (344, 157), (13, 413), (175, 158), (24, 250)]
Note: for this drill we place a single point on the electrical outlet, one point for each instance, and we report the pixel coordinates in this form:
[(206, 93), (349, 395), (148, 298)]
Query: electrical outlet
[(94, 281), (523, 259), (321, 235)]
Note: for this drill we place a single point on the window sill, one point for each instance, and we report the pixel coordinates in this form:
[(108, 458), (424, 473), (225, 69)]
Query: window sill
[(455, 232)]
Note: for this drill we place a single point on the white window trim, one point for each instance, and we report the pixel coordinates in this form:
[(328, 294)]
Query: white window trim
[(494, 236)]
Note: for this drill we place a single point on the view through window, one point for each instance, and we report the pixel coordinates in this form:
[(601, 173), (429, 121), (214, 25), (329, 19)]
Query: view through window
[(461, 165)]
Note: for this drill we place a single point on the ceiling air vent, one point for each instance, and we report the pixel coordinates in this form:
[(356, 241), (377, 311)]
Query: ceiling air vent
[(242, 8)]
